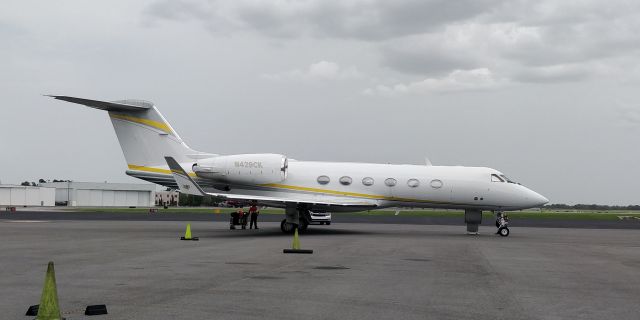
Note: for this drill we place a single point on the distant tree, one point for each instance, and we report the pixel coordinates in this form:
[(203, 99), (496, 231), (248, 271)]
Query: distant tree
[(594, 207), (187, 200), (196, 201), (208, 201), (25, 183), (183, 201), (33, 184), (42, 181)]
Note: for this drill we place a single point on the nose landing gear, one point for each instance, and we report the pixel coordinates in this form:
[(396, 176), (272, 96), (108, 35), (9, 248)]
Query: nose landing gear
[(502, 223)]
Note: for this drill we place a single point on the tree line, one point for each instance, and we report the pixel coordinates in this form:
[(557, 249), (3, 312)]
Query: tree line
[(33, 184), (598, 207), (187, 200)]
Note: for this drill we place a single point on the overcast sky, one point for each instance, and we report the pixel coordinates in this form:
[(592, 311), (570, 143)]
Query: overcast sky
[(546, 91)]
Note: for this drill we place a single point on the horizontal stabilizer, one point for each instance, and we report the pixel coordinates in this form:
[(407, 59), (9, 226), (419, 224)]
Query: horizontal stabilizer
[(121, 105)]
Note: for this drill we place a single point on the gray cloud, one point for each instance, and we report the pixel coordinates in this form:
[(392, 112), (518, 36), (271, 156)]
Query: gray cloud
[(364, 20), (456, 81), (582, 42), (526, 41), (424, 58), (179, 10), (558, 13), (553, 74)]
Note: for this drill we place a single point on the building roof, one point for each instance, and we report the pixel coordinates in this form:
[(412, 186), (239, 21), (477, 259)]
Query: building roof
[(102, 186)]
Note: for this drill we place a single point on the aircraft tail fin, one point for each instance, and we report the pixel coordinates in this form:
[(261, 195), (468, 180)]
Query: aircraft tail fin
[(144, 134)]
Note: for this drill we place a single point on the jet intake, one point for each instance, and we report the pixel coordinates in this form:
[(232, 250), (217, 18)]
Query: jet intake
[(244, 168)]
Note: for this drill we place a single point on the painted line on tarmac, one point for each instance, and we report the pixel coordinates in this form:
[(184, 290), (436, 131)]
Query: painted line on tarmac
[(26, 221)]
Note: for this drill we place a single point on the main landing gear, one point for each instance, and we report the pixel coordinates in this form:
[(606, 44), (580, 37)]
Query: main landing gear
[(473, 218), (297, 216), (502, 223), (287, 227)]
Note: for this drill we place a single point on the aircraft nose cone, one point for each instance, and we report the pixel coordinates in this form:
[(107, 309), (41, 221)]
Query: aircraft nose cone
[(542, 200), (536, 199)]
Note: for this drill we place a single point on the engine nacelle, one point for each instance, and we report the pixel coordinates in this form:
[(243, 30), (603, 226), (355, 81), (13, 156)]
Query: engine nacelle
[(244, 168)]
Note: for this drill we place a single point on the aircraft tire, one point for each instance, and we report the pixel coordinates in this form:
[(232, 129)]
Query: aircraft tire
[(286, 227), (504, 231)]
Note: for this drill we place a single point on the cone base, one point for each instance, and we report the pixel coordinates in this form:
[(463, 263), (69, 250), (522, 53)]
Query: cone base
[(95, 310), (304, 251), (191, 239), (32, 311)]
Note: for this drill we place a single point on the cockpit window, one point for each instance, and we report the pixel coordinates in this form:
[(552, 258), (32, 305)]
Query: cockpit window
[(496, 178), (507, 179)]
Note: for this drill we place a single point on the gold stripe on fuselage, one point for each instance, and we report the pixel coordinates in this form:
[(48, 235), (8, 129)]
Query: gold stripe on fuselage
[(315, 190), (349, 194), (151, 123), (155, 170)]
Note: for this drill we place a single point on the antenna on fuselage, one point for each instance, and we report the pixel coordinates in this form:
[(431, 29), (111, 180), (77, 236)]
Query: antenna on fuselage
[(427, 162)]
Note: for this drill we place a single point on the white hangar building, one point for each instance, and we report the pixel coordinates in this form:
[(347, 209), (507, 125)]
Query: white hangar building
[(20, 196), (94, 194)]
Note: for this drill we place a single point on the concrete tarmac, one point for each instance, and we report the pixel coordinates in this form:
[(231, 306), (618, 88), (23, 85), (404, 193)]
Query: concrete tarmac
[(404, 218), (140, 270)]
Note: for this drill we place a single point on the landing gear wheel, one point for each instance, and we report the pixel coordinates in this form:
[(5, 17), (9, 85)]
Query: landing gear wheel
[(302, 226), (504, 231), (287, 227)]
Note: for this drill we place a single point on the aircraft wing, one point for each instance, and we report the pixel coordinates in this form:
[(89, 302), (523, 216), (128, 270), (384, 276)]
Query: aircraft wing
[(188, 186)]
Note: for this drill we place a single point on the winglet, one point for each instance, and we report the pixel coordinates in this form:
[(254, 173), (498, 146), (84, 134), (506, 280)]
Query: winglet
[(184, 182)]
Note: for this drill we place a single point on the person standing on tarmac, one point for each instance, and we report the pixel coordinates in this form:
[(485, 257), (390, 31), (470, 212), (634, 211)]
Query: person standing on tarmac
[(253, 211)]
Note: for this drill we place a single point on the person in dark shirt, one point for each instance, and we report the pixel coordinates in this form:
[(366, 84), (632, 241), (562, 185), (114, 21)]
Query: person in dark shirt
[(253, 211)]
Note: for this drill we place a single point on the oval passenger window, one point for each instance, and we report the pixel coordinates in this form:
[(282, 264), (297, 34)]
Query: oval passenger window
[(323, 179), (413, 183), (345, 181), (368, 181), (436, 184), (390, 182)]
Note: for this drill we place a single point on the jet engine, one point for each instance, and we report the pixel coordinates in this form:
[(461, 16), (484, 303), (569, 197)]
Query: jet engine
[(243, 168)]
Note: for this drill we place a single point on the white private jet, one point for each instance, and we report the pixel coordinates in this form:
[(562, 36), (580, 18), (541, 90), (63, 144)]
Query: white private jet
[(155, 152)]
